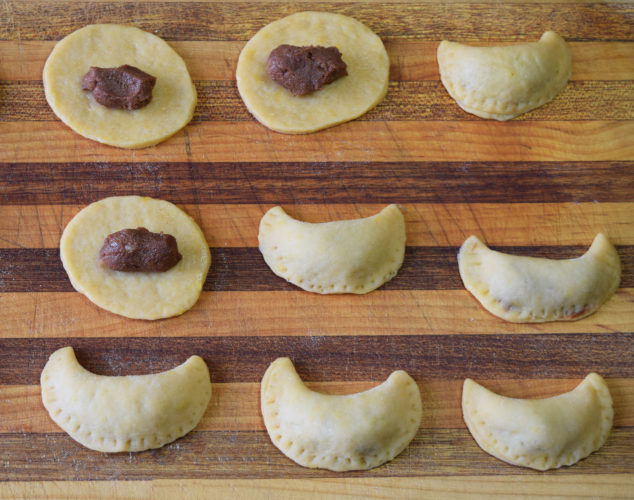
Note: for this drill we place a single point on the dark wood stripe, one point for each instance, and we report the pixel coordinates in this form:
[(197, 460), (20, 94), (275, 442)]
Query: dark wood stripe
[(405, 101), (226, 454), (346, 358), (44, 20), (319, 182), (243, 269)]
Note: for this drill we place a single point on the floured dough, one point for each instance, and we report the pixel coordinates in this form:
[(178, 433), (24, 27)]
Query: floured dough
[(138, 295), (540, 433), (108, 46), (338, 102), (531, 290), (351, 256), (129, 413), (340, 433), (504, 82)]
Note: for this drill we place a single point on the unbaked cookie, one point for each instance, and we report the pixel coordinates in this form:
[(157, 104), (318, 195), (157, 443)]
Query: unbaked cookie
[(540, 433), (504, 82), (532, 290), (128, 413), (352, 432), (141, 295), (338, 102), (108, 46), (345, 256)]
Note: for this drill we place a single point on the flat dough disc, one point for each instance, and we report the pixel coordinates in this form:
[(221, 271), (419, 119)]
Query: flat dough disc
[(108, 46), (343, 100), (135, 295)]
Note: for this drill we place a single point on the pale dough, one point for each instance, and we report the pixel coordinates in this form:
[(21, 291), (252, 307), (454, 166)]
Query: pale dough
[(135, 295), (338, 102), (108, 46), (540, 433), (128, 413), (531, 290), (346, 256), (506, 81), (352, 432)]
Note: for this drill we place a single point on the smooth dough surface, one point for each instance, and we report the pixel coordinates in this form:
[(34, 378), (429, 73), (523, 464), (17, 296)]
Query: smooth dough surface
[(506, 81), (532, 290), (339, 432), (540, 433), (343, 100), (137, 295), (108, 46), (350, 256), (127, 413)]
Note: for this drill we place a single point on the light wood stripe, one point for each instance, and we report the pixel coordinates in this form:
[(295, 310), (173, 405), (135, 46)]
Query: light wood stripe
[(296, 313), (236, 406), (486, 487), (427, 224), (392, 141), (410, 59)]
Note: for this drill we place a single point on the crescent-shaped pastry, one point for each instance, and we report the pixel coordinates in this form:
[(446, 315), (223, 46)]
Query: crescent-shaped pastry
[(352, 432), (532, 290), (340, 101), (139, 295), (127, 413), (351, 256), (504, 82), (540, 433)]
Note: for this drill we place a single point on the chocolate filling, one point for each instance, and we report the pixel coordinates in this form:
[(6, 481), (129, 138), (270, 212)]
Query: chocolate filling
[(124, 87), (134, 250), (303, 70)]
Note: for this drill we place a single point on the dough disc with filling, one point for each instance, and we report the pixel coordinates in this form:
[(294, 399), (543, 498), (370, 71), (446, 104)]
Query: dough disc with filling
[(109, 46), (135, 295), (340, 101)]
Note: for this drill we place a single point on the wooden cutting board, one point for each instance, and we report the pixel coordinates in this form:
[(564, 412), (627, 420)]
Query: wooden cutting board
[(543, 184)]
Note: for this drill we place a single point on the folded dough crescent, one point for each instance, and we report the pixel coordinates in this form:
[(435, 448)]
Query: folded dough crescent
[(126, 413), (349, 256), (351, 432), (540, 433), (506, 81), (531, 290)]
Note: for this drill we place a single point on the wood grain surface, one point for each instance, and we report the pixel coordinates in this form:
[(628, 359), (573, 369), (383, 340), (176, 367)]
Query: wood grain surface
[(542, 184)]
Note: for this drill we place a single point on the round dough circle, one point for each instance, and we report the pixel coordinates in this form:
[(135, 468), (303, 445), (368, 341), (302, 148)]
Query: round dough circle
[(108, 46), (340, 101), (135, 295)]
